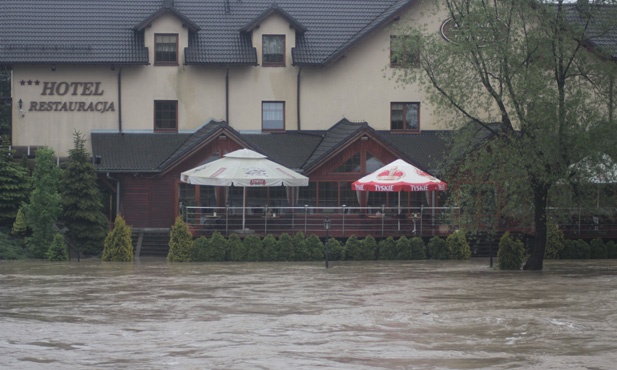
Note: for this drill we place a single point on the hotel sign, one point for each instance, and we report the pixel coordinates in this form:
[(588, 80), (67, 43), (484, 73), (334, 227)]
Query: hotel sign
[(63, 96)]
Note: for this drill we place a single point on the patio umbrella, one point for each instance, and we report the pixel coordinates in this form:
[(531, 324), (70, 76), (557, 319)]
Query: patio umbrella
[(396, 177), (243, 168)]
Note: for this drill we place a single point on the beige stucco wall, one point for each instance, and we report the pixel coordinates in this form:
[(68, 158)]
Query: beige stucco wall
[(355, 87)]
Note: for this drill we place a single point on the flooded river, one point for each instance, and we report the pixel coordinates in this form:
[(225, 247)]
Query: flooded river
[(371, 315)]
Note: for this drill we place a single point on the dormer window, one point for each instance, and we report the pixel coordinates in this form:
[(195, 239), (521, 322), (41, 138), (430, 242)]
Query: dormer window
[(166, 49), (273, 50)]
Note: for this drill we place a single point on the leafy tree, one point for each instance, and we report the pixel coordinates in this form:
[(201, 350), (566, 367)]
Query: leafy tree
[(14, 184), (10, 249), (118, 246), (57, 250), (521, 74), (82, 210), (180, 242), (45, 204)]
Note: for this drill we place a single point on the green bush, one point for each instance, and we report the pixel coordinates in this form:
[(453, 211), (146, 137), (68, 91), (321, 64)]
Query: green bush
[(57, 249), (335, 249), (576, 249), (253, 247), (438, 248), (353, 248), (555, 241), (315, 248), (180, 242), (300, 252), (387, 249), (237, 252), (212, 249), (370, 247), (611, 249), (598, 249), (418, 248), (118, 245), (10, 249), (458, 248), (511, 253), (403, 248), (270, 248), (285, 247)]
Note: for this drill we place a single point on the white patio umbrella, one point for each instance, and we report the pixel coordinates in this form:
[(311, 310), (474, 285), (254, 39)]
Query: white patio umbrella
[(396, 177), (243, 168)]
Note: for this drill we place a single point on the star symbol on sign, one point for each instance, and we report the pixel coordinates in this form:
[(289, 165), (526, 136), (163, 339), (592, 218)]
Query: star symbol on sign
[(22, 82), (29, 82), (37, 82)]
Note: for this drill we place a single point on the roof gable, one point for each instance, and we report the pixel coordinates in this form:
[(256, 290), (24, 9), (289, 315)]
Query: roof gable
[(274, 9), (167, 8)]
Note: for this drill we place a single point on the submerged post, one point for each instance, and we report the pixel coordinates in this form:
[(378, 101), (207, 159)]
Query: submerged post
[(326, 225)]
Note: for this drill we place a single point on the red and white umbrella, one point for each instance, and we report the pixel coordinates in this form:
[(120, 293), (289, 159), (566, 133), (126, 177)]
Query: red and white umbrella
[(399, 176)]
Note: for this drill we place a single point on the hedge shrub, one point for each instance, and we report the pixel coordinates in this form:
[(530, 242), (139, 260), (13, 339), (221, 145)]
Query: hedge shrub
[(576, 249), (418, 248), (511, 253), (598, 249), (555, 241), (387, 249), (253, 247), (118, 245), (57, 250), (458, 248), (438, 248)]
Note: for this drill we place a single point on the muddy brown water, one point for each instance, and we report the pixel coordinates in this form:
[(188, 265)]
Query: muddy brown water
[(369, 315)]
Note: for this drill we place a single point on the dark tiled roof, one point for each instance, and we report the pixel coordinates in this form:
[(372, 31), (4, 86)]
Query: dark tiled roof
[(599, 24), (424, 150), (135, 152), (301, 151), (291, 149), (106, 31), (333, 139)]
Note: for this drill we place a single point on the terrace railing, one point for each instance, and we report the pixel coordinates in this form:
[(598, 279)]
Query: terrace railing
[(344, 221)]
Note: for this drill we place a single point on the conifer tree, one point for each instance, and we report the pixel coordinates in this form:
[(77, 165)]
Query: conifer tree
[(14, 185), (57, 250), (180, 242), (118, 245), (44, 206), (82, 210)]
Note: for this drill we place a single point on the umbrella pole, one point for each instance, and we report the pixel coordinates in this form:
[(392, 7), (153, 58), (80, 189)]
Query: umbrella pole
[(399, 211), (243, 207)]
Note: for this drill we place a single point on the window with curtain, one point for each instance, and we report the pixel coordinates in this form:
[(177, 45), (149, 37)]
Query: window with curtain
[(166, 49), (273, 115), (166, 115), (273, 50), (405, 116)]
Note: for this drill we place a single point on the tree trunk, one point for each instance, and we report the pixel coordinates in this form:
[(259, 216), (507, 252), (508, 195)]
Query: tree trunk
[(536, 258)]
